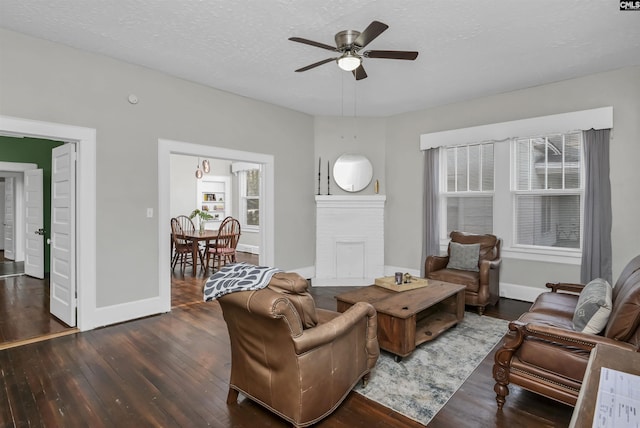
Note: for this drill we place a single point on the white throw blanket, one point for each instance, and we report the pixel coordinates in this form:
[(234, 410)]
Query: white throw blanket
[(237, 277)]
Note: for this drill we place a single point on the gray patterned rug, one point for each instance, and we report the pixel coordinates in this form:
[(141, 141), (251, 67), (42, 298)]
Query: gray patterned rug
[(423, 382)]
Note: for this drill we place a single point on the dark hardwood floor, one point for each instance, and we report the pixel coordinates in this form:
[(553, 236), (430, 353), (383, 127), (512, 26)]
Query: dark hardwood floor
[(172, 370)]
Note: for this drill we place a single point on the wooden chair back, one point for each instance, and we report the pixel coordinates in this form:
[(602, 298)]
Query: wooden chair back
[(186, 223), (224, 248)]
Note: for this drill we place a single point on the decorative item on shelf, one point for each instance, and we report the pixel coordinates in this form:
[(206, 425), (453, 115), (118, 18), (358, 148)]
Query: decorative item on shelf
[(328, 177), (319, 170), (376, 187), (206, 167), (202, 215)]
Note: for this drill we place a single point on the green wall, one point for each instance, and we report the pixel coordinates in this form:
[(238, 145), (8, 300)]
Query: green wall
[(33, 150)]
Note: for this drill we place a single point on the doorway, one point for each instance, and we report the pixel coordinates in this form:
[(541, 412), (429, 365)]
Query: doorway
[(168, 147), (85, 184)]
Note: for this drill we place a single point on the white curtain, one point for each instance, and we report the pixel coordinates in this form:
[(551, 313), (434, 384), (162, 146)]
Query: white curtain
[(596, 248), (431, 243)]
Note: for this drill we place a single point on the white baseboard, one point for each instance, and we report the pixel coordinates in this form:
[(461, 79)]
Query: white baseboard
[(507, 290), (391, 270), (341, 282), (126, 312), (520, 292), (252, 249), (305, 272)]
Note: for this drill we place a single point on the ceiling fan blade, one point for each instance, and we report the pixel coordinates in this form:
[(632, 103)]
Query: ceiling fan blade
[(359, 73), (410, 55), (371, 32), (312, 43), (315, 64)]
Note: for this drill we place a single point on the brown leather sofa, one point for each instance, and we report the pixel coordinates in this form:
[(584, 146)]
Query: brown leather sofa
[(483, 287), (296, 360), (544, 354)]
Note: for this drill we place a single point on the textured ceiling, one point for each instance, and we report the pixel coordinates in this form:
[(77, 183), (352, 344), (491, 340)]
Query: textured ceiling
[(467, 49)]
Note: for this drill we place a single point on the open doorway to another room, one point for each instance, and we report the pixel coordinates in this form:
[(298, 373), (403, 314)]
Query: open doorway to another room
[(226, 189), (25, 300), (216, 188)]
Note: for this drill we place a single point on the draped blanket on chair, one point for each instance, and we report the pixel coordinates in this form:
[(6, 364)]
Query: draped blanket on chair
[(237, 277)]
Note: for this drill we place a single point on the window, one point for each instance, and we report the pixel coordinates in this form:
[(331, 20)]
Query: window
[(548, 190), (467, 196), (528, 191), (250, 198)]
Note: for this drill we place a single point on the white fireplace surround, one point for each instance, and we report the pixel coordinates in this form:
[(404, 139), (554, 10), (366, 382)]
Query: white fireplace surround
[(349, 239)]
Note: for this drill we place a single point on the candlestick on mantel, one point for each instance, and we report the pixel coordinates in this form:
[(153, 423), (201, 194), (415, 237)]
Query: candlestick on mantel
[(319, 169), (328, 177)]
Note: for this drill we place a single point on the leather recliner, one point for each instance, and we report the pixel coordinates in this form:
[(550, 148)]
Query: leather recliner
[(483, 287), (544, 354), (296, 360)]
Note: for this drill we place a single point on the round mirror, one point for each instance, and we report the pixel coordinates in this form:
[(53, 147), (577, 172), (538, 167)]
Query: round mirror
[(352, 173)]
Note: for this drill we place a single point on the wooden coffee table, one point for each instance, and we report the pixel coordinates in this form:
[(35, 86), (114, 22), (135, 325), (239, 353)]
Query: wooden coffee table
[(408, 318)]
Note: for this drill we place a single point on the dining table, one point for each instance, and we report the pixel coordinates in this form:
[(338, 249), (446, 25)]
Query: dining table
[(195, 237)]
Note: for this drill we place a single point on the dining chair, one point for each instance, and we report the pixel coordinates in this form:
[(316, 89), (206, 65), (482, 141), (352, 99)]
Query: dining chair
[(189, 227), (181, 247), (186, 223), (223, 249)]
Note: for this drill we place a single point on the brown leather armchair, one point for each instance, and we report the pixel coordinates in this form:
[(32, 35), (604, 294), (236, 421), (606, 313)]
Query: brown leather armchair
[(483, 287), (297, 361), (544, 354)]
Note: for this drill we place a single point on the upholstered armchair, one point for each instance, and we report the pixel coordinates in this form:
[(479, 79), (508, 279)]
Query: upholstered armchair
[(547, 349), (474, 261), (296, 360)]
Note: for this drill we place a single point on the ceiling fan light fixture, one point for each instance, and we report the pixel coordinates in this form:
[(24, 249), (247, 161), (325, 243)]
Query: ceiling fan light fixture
[(349, 61)]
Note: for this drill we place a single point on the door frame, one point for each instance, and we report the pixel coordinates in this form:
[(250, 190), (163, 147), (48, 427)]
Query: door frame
[(267, 218), (17, 170), (85, 141)]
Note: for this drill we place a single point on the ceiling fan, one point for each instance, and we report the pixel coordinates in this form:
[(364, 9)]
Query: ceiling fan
[(349, 43)]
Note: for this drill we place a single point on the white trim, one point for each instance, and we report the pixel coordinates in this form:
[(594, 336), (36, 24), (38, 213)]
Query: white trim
[(267, 213), (16, 167), (16, 170), (598, 118), (252, 249), (305, 271), (341, 282), (520, 292), (126, 311), (350, 201), (236, 167), (85, 197), (544, 254), (391, 270)]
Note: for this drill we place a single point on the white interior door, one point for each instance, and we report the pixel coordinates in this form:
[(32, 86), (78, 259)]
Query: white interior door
[(9, 218), (2, 215), (63, 267), (34, 223)]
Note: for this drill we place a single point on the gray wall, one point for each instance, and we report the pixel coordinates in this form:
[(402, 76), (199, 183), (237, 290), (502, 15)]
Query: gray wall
[(184, 184), (620, 89), (335, 136), (183, 192), (47, 81), (51, 82)]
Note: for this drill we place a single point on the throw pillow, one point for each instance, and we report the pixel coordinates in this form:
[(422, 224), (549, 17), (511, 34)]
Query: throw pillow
[(594, 307), (463, 256)]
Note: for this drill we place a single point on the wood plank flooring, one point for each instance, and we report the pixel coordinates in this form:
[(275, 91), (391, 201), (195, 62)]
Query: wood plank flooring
[(172, 370), (24, 302)]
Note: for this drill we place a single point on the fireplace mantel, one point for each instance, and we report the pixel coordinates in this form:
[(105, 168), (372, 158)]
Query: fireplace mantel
[(349, 239)]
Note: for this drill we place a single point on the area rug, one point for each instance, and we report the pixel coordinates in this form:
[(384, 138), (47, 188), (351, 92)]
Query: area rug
[(420, 384)]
